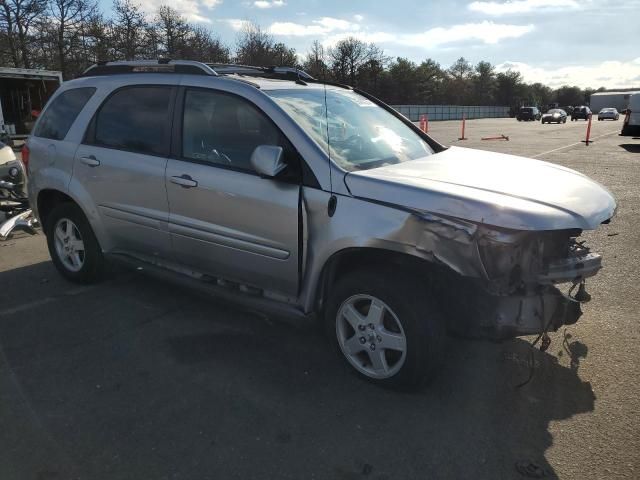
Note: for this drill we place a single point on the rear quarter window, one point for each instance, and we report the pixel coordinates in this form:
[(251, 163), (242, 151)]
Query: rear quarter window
[(60, 115)]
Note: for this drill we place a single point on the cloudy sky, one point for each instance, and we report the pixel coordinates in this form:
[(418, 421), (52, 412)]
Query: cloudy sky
[(578, 42)]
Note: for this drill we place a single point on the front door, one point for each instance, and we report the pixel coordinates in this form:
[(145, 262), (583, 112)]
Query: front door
[(122, 165), (224, 219)]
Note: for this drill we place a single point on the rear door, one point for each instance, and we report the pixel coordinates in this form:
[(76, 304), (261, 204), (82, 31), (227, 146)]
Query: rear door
[(224, 219), (49, 145), (122, 164)]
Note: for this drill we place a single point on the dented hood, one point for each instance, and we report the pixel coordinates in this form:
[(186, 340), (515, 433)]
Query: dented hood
[(492, 188)]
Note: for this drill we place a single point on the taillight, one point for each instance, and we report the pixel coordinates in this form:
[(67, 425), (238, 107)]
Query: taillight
[(25, 158)]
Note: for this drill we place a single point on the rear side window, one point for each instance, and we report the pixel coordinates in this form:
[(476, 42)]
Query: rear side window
[(58, 117), (135, 119)]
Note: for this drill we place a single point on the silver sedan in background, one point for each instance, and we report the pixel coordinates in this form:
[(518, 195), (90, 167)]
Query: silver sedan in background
[(555, 115), (608, 113)]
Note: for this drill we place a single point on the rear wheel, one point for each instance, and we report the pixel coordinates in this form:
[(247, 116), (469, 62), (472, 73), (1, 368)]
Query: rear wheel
[(73, 247), (390, 333)]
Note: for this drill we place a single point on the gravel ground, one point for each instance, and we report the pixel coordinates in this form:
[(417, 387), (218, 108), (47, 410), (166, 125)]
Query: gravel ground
[(135, 378)]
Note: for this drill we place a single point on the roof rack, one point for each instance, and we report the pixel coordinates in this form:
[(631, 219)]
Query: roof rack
[(288, 73), (163, 65), (166, 65)]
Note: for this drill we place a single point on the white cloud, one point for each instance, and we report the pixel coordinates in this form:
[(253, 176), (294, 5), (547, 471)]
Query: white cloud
[(358, 18), (235, 23), (192, 10), (610, 74), (211, 3), (485, 32), (521, 6), (269, 3), (322, 26)]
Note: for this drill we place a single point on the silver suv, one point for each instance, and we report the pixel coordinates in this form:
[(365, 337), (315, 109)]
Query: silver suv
[(310, 199)]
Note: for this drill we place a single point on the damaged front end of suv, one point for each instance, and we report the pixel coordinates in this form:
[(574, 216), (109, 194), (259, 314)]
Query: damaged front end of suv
[(513, 262), (514, 282)]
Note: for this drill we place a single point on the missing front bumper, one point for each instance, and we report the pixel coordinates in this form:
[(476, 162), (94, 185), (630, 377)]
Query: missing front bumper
[(501, 317)]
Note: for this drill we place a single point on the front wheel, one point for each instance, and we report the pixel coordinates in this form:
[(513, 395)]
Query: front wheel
[(390, 333), (73, 247)]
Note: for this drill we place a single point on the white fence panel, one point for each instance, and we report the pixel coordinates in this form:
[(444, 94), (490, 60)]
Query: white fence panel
[(451, 112)]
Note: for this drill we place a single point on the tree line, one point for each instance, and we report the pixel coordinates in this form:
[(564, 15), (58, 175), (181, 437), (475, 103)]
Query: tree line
[(70, 35)]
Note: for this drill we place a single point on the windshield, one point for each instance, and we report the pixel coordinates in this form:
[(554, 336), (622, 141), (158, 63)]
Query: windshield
[(555, 110), (357, 133)]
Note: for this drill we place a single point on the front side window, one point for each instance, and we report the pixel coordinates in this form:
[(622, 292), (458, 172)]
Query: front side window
[(135, 119), (224, 129), (60, 115), (357, 133)]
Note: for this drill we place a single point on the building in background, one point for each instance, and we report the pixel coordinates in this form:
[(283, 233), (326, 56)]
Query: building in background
[(617, 100)]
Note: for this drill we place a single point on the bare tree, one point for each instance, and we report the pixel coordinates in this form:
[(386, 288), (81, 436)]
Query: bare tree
[(67, 18), (129, 30), (16, 20), (315, 61), (203, 46), (346, 57), (253, 45), (257, 47), (173, 30)]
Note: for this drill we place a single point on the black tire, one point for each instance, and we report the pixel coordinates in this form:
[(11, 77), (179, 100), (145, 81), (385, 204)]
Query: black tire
[(93, 260), (417, 312)]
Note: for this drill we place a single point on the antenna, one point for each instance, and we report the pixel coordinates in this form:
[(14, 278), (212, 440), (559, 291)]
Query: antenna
[(331, 207)]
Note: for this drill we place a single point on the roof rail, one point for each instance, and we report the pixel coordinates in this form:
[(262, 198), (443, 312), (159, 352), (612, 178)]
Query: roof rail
[(291, 73), (162, 65)]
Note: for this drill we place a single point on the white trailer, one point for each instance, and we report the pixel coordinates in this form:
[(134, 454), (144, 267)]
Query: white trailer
[(617, 100), (23, 93)]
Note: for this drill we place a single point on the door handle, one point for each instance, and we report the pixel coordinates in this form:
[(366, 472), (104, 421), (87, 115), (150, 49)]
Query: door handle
[(184, 181), (90, 161)]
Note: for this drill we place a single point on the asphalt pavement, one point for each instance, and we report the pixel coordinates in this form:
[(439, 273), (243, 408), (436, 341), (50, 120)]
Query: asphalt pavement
[(135, 378)]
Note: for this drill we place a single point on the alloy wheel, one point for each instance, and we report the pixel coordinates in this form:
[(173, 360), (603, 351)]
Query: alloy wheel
[(69, 245), (371, 336)]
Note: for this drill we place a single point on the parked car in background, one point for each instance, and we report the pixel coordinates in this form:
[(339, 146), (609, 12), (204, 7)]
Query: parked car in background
[(631, 125), (555, 115), (230, 179), (528, 113), (608, 114), (568, 109), (580, 112)]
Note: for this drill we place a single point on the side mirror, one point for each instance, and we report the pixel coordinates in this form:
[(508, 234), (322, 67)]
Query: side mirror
[(267, 160)]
